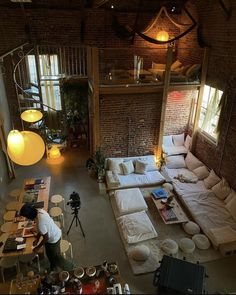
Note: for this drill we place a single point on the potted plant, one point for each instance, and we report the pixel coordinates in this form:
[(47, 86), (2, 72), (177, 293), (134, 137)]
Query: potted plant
[(97, 164)]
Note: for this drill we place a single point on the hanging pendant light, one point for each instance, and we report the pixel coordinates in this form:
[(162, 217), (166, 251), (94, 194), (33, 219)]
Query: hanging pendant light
[(31, 116), (54, 152), (162, 36), (15, 143), (33, 151)]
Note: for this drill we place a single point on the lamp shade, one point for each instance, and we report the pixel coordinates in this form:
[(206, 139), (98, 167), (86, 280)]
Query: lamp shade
[(15, 143), (54, 152), (162, 36), (33, 151), (31, 116)]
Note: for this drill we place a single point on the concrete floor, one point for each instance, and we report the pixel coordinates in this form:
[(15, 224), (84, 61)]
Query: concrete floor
[(102, 241)]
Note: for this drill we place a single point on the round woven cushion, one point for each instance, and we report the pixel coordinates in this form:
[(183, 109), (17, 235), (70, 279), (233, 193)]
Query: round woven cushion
[(187, 245), (191, 228), (201, 241), (140, 253), (169, 246), (168, 186)]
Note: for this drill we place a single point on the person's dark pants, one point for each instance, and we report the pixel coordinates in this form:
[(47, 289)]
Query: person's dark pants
[(55, 257)]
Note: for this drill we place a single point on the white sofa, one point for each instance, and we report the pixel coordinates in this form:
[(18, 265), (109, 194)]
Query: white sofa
[(210, 201), (115, 177), (176, 144)]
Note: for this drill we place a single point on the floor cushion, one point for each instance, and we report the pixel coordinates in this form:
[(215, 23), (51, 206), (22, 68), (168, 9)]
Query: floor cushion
[(201, 241), (129, 201), (169, 246), (136, 227), (191, 228), (187, 245), (140, 253), (168, 186)]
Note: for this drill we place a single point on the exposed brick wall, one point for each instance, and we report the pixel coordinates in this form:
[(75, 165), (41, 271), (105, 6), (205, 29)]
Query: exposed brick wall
[(178, 111), (219, 33), (129, 124)]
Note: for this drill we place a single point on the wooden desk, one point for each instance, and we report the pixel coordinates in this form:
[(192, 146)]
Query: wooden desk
[(43, 195)]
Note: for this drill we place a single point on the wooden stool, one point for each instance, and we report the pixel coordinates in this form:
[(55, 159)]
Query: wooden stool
[(9, 215), (65, 246), (15, 193), (57, 223), (13, 206), (3, 237), (56, 212), (57, 199), (6, 227), (8, 262), (29, 258)]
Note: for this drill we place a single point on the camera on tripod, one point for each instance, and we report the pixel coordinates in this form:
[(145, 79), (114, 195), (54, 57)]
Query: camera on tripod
[(74, 200)]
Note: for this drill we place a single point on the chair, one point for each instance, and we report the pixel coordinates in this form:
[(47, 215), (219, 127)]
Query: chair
[(15, 193), (13, 206), (6, 227), (29, 258), (56, 212), (9, 216), (66, 246), (57, 199), (8, 262)]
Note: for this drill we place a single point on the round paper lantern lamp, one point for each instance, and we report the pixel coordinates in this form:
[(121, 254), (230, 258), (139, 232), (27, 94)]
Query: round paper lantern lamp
[(15, 143), (54, 152), (31, 116), (162, 36), (34, 149)]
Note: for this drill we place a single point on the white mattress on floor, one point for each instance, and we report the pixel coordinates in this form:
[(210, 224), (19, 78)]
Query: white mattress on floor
[(136, 227), (129, 201)]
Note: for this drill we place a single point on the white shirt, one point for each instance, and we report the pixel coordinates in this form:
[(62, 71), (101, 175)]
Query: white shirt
[(46, 225)]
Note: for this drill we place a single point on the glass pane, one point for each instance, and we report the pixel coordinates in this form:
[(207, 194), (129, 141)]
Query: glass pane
[(32, 69)]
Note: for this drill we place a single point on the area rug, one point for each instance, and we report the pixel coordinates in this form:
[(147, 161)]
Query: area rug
[(173, 231)]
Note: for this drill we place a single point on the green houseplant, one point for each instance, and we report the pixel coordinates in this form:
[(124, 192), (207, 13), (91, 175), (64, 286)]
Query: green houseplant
[(97, 164)]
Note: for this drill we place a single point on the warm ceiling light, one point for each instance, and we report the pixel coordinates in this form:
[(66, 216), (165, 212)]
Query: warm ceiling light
[(31, 116), (54, 152), (33, 151), (15, 143), (162, 36)]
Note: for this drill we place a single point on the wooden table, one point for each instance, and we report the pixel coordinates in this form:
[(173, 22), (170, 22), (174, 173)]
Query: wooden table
[(43, 195)]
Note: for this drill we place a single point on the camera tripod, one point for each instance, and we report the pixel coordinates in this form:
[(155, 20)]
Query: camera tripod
[(77, 221)]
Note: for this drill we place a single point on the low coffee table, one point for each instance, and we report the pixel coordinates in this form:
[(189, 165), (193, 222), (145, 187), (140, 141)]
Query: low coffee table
[(177, 210)]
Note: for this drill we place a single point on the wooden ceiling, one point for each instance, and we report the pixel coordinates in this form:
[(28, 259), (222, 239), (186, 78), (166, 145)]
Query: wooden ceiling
[(117, 5)]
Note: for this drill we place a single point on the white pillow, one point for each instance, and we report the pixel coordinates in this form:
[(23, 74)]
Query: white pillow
[(192, 162), (140, 167), (231, 195), (188, 142), (221, 189), (150, 160), (175, 162), (178, 139), (167, 140), (202, 172), (115, 165), (231, 206), (128, 167), (211, 180), (136, 227)]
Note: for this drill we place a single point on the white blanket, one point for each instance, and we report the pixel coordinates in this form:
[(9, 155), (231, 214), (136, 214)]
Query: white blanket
[(136, 180)]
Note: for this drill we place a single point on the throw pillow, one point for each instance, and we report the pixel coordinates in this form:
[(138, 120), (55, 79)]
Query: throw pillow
[(115, 165), (158, 66), (221, 189), (201, 172), (188, 142), (128, 167), (211, 180), (175, 162), (167, 140), (231, 206), (231, 195), (178, 139), (140, 167), (192, 162), (176, 65), (193, 71)]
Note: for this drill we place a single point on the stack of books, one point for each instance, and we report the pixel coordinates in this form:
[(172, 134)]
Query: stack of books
[(160, 193), (168, 214)]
